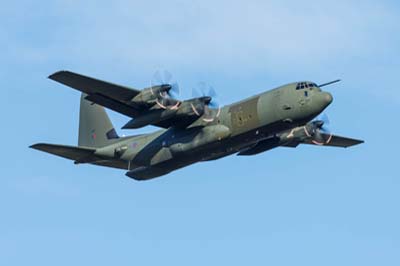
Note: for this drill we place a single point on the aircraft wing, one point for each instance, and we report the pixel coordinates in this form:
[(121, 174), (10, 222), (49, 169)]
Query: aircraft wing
[(268, 144), (112, 96), (335, 141), (91, 86), (338, 141)]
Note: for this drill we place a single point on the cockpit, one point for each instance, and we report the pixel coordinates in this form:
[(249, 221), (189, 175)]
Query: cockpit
[(306, 85)]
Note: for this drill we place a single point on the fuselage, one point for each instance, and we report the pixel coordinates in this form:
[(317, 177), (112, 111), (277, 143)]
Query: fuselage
[(234, 128)]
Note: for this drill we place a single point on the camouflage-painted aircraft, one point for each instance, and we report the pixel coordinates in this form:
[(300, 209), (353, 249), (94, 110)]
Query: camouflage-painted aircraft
[(192, 130)]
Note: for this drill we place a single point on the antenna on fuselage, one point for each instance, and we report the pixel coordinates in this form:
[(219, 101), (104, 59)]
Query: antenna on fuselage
[(329, 83)]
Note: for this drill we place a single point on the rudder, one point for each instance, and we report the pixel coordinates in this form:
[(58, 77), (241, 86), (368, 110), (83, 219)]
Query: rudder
[(95, 127)]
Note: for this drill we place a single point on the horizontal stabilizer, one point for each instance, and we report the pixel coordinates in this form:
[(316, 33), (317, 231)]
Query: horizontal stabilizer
[(78, 154)]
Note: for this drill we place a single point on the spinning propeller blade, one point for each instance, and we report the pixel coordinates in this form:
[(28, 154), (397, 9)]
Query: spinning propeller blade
[(318, 130), (210, 108), (166, 98)]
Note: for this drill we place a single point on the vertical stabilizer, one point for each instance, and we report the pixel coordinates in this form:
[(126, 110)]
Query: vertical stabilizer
[(95, 127)]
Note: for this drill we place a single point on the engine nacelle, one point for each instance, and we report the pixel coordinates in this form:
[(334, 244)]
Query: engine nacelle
[(295, 134), (298, 134), (150, 95)]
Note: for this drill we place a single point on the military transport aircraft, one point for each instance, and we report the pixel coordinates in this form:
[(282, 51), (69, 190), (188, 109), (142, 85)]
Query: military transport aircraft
[(192, 130)]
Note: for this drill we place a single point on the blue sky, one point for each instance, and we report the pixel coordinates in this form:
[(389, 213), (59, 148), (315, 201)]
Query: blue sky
[(309, 206)]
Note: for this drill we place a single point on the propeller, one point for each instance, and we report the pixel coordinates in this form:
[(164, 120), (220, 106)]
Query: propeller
[(319, 131), (169, 92), (209, 108)]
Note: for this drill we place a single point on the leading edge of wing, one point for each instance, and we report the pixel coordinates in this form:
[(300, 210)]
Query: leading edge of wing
[(91, 85)]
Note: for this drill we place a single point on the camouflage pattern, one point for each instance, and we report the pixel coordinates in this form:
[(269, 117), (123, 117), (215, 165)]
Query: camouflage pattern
[(279, 117)]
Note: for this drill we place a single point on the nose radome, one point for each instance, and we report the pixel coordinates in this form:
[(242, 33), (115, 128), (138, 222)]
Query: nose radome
[(328, 98)]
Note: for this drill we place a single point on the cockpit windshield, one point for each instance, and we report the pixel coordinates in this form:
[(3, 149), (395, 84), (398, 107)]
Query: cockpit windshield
[(305, 85)]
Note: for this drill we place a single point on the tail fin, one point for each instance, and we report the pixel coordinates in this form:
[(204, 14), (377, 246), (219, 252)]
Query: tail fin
[(95, 127)]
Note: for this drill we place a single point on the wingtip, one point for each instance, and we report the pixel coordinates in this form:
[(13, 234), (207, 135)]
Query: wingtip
[(35, 146), (359, 142), (55, 74)]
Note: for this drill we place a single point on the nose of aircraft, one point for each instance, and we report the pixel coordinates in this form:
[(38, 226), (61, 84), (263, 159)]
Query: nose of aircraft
[(328, 98), (323, 100)]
